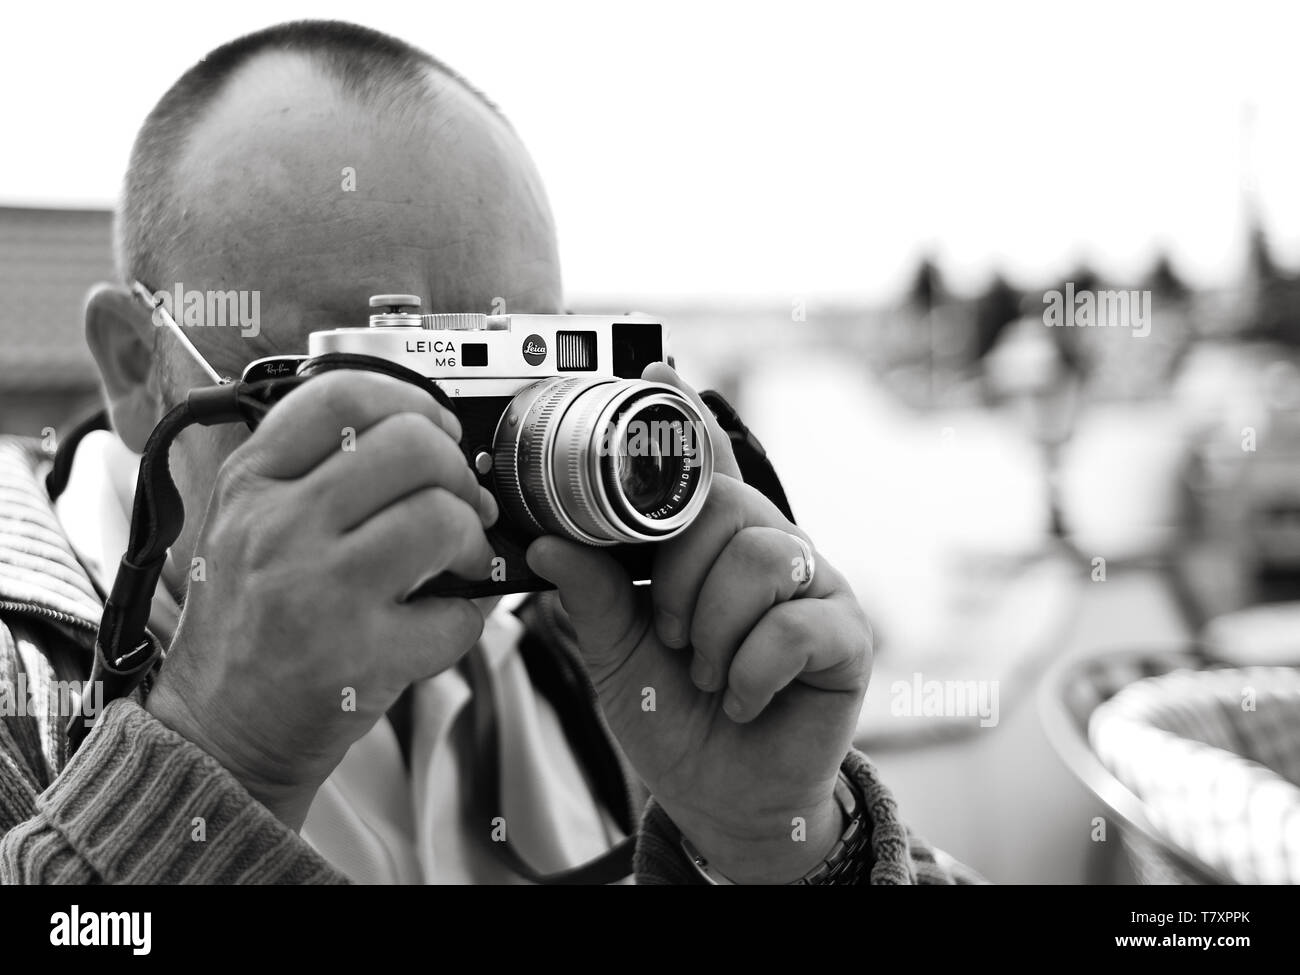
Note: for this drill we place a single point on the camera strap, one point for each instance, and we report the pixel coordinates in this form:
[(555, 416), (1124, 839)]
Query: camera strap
[(483, 799), (124, 652), (56, 481)]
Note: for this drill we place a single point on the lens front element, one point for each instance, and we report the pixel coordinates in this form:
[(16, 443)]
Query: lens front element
[(603, 461)]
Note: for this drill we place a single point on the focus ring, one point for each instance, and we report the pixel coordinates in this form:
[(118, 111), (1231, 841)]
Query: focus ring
[(541, 415), (585, 437), (506, 461), (522, 457)]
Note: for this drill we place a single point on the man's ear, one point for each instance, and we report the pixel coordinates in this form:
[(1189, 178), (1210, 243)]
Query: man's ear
[(117, 330)]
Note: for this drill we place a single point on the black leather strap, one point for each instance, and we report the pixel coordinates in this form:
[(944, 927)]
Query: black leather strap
[(124, 653), (483, 797), (56, 481), (331, 361)]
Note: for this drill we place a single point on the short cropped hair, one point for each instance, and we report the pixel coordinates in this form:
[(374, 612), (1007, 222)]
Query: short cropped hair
[(372, 67)]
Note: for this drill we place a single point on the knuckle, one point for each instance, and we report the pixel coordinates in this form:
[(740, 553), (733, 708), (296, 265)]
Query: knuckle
[(860, 673), (344, 397), (234, 478), (429, 510), (441, 503), (454, 622), (722, 496), (854, 639), (868, 631), (411, 432), (705, 639), (858, 624), (747, 679), (787, 632), (864, 656), (446, 518), (754, 552), (427, 446), (351, 397)]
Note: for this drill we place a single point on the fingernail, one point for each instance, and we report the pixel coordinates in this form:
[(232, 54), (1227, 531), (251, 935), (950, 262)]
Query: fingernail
[(731, 704), (702, 673), (670, 629)]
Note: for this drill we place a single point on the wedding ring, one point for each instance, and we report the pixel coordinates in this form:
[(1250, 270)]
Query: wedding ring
[(803, 567)]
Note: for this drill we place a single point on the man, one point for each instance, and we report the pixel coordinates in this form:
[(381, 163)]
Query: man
[(305, 724)]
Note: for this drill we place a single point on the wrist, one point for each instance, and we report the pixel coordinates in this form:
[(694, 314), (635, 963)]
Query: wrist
[(289, 803), (782, 851)]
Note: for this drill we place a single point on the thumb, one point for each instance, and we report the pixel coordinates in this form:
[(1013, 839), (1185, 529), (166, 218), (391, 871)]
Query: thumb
[(724, 459), (599, 598)]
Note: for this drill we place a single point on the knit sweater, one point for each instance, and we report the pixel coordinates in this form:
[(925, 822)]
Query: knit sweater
[(138, 803)]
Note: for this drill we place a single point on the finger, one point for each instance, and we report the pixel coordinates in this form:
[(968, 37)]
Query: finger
[(598, 597), (821, 642), (724, 460), (398, 455), (757, 570), (682, 563), (309, 425), (415, 538), (432, 634)]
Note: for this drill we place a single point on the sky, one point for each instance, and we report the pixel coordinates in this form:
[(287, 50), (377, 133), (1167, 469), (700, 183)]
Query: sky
[(759, 150)]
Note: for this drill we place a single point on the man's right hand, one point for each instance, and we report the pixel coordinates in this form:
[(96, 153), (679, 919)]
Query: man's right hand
[(308, 548)]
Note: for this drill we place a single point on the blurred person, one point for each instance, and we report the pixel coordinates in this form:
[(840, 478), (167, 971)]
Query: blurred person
[(238, 764)]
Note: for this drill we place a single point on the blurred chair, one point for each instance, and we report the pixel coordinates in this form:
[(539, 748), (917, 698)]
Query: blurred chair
[(1215, 757), (1265, 634), (1068, 697)]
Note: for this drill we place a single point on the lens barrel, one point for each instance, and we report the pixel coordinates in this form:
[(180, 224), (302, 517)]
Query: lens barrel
[(602, 461)]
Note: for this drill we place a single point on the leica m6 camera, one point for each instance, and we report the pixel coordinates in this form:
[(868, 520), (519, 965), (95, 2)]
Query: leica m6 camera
[(558, 426)]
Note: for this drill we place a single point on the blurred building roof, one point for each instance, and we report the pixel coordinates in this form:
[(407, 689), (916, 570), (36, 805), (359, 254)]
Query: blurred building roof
[(49, 259)]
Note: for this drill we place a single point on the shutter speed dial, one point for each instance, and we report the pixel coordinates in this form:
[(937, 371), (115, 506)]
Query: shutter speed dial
[(403, 311), (463, 322)]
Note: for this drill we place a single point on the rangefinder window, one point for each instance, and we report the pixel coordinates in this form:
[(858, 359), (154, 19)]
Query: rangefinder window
[(636, 345)]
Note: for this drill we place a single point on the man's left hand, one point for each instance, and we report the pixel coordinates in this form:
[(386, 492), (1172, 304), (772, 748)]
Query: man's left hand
[(734, 694)]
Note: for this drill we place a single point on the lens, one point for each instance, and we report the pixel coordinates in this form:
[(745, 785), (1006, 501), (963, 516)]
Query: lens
[(646, 482), (602, 461), (651, 454), (649, 471)]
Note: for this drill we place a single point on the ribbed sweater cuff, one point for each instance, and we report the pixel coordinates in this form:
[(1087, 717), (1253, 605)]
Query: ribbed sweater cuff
[(143, 805), (891, 854), (659, 858)]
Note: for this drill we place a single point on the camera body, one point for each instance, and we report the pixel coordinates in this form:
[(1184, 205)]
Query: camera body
[(557, 425)]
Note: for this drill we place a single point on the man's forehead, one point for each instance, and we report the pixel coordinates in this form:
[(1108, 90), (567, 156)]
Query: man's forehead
[(316, 199)]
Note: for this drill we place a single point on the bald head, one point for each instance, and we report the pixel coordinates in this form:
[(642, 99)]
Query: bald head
[(378, 71), (318, 163)]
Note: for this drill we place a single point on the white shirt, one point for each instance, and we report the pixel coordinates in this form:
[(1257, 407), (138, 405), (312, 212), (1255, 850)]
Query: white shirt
[(372, 820)]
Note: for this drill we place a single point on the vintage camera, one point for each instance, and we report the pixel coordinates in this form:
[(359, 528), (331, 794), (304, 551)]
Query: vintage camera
[(558, 426)]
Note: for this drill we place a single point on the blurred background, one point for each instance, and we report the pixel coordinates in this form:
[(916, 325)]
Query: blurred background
[(851, 216)]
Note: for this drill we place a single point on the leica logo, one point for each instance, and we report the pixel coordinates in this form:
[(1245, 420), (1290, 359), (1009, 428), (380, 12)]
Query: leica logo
[(534, 350)]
